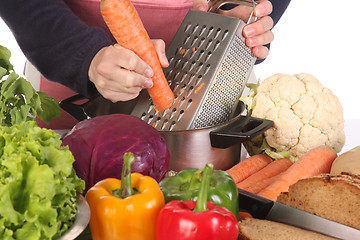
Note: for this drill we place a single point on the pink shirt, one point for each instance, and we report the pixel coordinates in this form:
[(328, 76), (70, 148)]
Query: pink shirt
[(161, 18)]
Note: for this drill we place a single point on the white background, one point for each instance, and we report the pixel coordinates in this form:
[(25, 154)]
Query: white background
[(321, 37)]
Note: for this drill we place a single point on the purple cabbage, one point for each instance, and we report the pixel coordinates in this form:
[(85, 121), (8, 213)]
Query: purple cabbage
[(98, 145)]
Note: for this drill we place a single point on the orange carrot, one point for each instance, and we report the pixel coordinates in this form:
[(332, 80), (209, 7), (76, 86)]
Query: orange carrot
[(248, 166), (269, 171), (127, 28), (314, 162), (257, 187)]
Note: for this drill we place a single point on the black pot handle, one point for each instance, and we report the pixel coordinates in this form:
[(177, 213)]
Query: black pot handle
[(240, 130), (75, 110)]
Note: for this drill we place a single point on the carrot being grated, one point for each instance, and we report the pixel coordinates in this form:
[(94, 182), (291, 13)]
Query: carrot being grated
[(127, 28)]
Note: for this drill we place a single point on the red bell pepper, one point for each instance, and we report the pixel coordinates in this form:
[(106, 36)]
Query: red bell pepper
[(191, 220)]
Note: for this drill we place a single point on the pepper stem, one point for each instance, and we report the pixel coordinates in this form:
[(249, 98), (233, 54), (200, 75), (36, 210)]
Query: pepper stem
[(125, 189), (201, 204)]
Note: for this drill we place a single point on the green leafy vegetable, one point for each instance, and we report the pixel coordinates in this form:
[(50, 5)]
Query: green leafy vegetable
[(19, 101), (38, 185)]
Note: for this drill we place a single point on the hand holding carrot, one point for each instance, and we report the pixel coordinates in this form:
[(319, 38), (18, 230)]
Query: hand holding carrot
[(257, 34), (127, 28), (119, 74)]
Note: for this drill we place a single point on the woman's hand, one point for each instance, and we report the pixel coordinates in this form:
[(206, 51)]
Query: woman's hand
[(119, 74), (258, 33)]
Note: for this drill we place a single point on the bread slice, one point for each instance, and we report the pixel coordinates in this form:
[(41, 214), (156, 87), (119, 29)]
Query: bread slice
[(336, 198), (258, 229)]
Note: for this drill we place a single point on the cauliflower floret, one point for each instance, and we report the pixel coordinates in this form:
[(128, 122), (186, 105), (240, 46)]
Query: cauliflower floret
[(305, 114)]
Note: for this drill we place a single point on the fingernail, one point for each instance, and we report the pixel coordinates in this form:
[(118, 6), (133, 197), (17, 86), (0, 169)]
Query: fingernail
[(148, 84), (249, 31), (148, 72)]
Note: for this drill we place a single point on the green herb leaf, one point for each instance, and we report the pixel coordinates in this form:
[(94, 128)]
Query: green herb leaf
[(19, 101)]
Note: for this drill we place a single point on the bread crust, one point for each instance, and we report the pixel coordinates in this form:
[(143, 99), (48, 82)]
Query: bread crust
[(336, 198), (259, 229)]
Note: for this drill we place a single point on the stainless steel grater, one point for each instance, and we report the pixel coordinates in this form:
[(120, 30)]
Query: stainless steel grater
[(209, 67)]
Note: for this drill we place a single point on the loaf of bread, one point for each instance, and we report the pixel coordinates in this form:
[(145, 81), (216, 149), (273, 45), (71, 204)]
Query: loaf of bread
[(258, 229), (336, 198), (347, 162)]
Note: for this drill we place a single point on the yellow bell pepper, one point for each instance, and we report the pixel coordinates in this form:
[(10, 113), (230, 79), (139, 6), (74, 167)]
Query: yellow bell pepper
[(126, 208)]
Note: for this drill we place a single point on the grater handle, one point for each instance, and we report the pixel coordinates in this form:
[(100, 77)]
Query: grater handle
[(241, 129), (75, 110), (214, 5)]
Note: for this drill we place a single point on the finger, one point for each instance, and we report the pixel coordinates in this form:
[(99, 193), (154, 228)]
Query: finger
[(130, 61), (260, 52), (115, 96), (260, 40), (263, 8), (119, 79), (200, 5), (159, 46), (259, 27)]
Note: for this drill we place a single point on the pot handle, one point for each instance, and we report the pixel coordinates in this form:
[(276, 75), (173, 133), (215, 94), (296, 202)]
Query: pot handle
[(238, 131), (75, 110)]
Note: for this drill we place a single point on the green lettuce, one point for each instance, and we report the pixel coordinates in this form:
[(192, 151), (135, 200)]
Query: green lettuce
[(38, 185)]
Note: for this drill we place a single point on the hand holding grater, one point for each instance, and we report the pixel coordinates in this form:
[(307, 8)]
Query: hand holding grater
[(209, 67)]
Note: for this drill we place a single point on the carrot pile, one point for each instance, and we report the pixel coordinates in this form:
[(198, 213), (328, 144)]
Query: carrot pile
[(127, 28), (268, 179)]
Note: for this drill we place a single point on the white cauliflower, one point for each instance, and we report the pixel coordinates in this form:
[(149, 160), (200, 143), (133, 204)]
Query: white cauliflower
[(305, 114)]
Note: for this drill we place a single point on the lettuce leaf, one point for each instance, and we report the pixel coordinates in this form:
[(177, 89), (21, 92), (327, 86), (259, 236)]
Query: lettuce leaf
[(38, 185)]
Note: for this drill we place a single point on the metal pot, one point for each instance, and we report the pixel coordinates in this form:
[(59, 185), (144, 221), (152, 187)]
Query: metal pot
[(219, 144)]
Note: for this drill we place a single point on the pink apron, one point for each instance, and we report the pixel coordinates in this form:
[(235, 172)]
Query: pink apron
[(161, 19)]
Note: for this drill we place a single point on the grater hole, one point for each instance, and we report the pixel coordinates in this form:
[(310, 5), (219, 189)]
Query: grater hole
[(181, 113), (173, 113), (193, 63), (189, 103), (226, 32), (185, 63), (202, 30), (198, 80), (186, 39), (191, 88), (217, 33), (172, 125), (200, 55), (163, 125), (202, 40), (191, 78), (194, 41), (207, 68), (217, 43), (199, 67), (208, 44), (208, 56), (211, 29), (187, 27), (195, 28)]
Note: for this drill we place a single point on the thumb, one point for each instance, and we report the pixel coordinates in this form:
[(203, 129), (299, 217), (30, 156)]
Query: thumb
[(200, 5)]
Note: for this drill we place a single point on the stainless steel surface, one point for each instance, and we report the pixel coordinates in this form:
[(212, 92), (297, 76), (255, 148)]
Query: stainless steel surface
[(285, 214), (81, 222), (192, 149), (209, 67)]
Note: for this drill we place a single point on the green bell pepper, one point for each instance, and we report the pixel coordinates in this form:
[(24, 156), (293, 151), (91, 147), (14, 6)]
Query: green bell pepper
[(186, 183)]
